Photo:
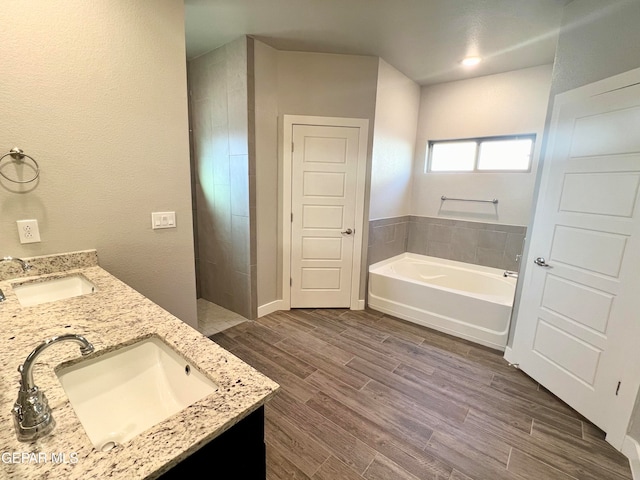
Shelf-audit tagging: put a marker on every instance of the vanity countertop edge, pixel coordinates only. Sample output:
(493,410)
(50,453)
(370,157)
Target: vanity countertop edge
(115,314)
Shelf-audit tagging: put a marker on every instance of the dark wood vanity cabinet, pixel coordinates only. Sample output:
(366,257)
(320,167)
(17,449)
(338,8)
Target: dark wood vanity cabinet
(238,453)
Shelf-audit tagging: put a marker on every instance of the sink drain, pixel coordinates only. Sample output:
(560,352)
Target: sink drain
(110,445)
(187,369)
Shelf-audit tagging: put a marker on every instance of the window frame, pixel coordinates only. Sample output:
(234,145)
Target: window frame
(479,141)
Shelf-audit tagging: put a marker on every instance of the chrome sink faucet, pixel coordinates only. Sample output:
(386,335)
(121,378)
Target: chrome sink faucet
(32,416)
(25,266)
(509,273)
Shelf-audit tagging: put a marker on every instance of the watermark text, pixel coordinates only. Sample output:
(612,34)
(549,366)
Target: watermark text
(38,457)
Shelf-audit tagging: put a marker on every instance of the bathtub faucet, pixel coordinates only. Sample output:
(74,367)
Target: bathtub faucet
(509,273)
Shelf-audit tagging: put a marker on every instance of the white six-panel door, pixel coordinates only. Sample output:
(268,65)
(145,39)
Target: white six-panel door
(577,328)
(323,204)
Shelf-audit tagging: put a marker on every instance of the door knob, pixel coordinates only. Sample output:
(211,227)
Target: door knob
(348,231)
(541,261)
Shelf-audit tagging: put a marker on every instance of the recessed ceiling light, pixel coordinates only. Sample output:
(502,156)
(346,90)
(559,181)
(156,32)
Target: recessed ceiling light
(471,61)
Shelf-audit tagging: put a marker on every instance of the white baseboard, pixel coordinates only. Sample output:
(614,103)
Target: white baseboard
(508,355)
(276,305)
(271,307)
(631,448)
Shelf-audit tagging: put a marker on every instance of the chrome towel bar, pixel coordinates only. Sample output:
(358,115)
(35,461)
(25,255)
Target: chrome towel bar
(444,198)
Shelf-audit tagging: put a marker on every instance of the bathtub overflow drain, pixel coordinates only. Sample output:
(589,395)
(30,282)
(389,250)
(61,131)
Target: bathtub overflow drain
(187,369)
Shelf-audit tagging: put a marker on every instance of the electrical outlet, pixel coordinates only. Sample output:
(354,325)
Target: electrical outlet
(28,231)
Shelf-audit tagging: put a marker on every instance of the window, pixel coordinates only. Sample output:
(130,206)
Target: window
(489,154)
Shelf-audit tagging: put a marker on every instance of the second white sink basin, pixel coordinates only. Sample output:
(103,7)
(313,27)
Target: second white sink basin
(35,293)
(120,394)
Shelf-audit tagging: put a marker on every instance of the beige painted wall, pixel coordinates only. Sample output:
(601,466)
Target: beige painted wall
(96,92)
(598,39)
(504,104)
(333,86)
(266,143)
(394,138)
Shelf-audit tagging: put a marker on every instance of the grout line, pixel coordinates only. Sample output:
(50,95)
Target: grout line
(509,458)
(370,463)
(352,358)
(466,415)
(433,432)
(367,383)
(531,429)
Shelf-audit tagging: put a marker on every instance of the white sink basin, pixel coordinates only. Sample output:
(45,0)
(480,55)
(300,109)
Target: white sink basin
(120,394)
(36,293)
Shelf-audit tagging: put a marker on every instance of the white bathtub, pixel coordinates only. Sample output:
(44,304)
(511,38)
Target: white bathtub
(468,301)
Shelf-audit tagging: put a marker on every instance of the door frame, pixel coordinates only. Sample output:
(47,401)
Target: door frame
(287,163)
(620,416)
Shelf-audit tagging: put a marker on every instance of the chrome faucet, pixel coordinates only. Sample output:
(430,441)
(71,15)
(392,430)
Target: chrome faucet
(32,416)
(509,273)
(25,266)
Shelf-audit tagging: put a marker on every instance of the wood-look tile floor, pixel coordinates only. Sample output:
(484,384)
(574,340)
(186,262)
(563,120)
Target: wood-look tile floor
(368,396)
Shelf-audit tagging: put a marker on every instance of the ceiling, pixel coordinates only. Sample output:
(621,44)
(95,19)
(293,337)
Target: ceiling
(424,39)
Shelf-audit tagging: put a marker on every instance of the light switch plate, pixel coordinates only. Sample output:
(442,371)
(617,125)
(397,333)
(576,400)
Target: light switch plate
(28,231)
(163,220)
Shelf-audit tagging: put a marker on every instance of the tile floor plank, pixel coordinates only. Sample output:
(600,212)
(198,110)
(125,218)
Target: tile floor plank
(403,454)
(341,443)
(334,469)
(569,459)
(300,449)
(280,468)
(384,469)
(532,469)
(403,423)
(276,354)
(292,384)
(368,396)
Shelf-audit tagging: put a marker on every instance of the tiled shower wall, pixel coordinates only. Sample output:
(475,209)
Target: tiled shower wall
(221,104)
(487,244)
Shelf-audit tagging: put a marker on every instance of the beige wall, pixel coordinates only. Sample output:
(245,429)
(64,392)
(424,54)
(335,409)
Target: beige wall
(266,142)
(598,39)
(333,86)
(327,85)
(96,92)
(394,137)
(504,104)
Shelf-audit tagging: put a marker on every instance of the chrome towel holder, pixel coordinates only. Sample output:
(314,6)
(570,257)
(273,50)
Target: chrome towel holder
(18,156)
(494,201)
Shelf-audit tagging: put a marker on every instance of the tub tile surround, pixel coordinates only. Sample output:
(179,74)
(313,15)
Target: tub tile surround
(487,244)
(114,315)
(387,238)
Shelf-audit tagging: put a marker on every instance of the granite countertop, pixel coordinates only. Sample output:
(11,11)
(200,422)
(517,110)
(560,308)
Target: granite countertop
(113,315)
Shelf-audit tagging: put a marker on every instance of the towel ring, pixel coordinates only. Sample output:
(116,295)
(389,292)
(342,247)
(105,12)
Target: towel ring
(18,155)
